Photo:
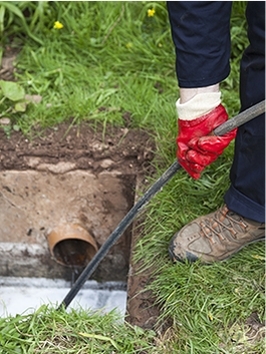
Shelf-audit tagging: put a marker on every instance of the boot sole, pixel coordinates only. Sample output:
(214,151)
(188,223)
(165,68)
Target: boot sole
(192,258)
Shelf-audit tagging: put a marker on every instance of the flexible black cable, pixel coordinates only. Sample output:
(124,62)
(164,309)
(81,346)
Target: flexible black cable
(224,128)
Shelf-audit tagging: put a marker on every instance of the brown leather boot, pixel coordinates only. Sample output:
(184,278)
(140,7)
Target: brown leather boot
(215,237)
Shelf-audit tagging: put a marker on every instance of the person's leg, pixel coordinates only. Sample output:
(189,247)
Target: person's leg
(201,36)
(246,195)
(219,235)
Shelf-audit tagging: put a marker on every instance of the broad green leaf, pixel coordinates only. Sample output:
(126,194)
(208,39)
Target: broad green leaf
(20,106)
(12,90)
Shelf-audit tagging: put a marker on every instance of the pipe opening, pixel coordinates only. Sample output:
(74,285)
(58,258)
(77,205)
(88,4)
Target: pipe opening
(71,245)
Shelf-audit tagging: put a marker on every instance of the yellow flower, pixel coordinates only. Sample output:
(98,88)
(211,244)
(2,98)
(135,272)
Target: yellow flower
(151,12)
(58,25)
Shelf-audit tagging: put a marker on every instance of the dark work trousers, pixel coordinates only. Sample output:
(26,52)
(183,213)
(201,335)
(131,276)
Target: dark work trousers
(201,35)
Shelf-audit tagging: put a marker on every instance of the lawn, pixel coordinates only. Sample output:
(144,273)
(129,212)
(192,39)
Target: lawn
(78,57)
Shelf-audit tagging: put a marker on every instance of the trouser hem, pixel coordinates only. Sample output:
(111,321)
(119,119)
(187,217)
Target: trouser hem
(244,206)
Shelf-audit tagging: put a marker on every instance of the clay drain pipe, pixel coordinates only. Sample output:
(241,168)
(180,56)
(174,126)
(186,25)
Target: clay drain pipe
(224,128)
(71,245)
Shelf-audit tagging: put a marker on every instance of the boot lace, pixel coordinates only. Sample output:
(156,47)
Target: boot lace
(217,227)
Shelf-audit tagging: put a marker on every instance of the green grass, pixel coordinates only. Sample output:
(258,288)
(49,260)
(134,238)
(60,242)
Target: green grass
(110,54)
(107,54)
(49,331)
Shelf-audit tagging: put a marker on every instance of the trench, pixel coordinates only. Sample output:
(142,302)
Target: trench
(34,205)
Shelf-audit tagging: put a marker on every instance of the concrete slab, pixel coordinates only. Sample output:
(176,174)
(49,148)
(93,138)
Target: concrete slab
(25,295)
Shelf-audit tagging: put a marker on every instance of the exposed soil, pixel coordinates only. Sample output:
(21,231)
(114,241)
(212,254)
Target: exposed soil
(130,151)
(67,148)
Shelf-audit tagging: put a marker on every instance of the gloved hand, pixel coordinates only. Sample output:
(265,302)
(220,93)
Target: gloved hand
(196,147)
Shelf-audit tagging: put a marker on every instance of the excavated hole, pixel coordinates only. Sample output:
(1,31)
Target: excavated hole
(70,175)
(34,203)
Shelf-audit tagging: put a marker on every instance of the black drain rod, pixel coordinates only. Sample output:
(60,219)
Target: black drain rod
(224,128)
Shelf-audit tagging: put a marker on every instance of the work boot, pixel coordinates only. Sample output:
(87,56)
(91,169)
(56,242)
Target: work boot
(215,237)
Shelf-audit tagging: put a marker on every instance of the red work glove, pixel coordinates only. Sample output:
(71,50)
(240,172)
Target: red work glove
(196,148)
